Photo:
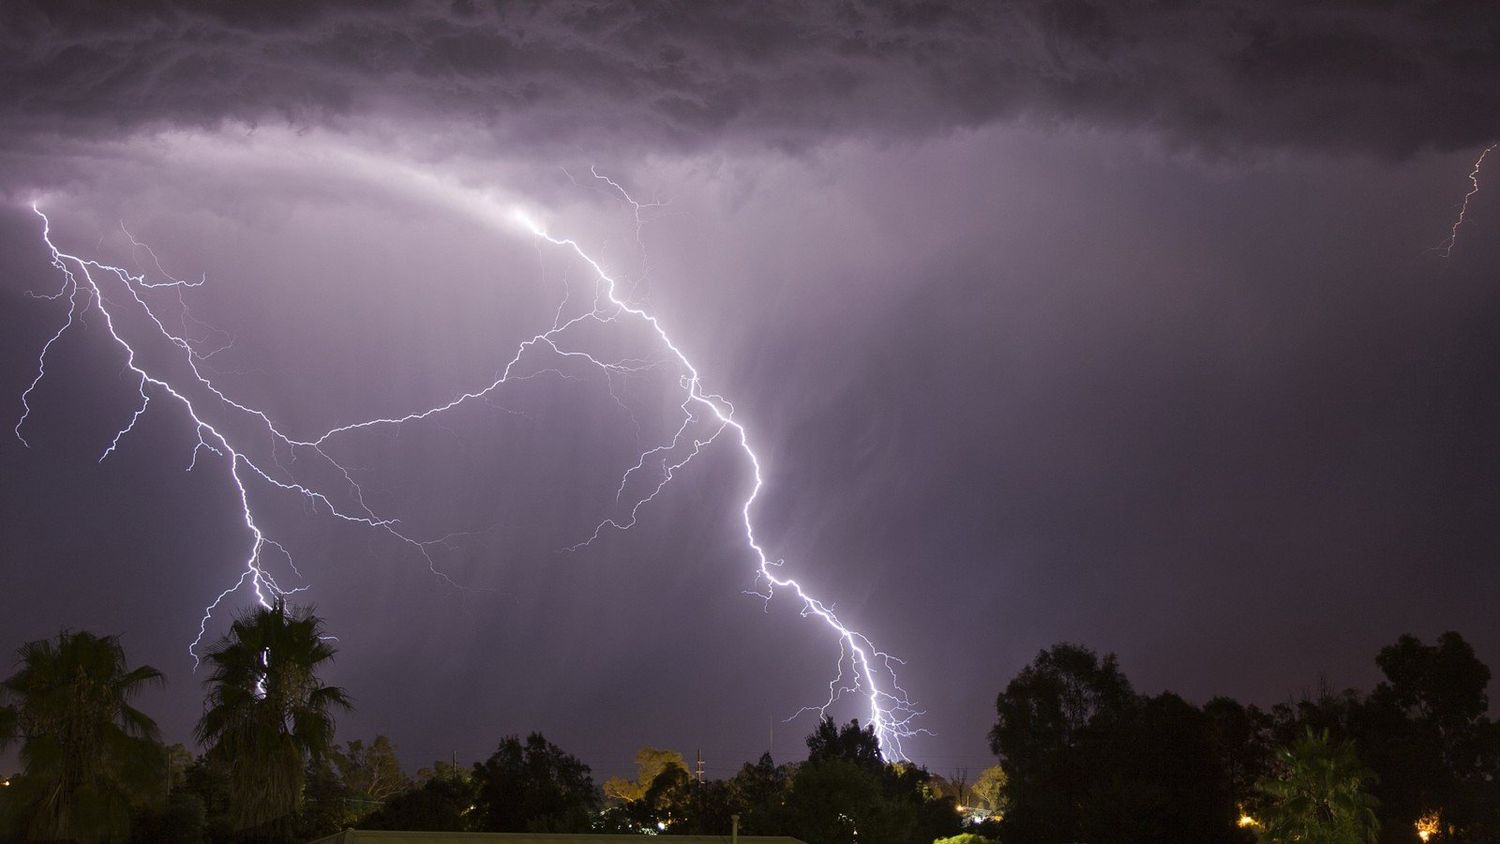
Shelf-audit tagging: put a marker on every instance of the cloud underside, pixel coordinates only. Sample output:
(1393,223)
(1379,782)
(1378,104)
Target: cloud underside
(1380,78)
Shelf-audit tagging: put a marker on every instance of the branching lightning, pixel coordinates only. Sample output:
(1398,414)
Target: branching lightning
(862,670)
(1463,209)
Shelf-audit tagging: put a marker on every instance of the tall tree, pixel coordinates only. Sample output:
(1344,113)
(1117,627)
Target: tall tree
(267,712)
(1319,794)
(87,753)
(758,793)
(1045,715)
(533,787)
(1242,742)
(1426,733)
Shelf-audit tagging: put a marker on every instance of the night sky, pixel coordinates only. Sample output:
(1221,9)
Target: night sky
(1115,323)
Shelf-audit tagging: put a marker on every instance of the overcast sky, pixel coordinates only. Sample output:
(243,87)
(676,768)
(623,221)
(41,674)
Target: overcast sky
(1123,324)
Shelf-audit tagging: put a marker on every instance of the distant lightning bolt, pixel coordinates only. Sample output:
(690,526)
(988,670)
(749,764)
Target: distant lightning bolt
(861,670)
(1447,248)
(873,672)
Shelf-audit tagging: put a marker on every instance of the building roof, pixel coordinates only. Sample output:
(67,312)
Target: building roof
(368,836)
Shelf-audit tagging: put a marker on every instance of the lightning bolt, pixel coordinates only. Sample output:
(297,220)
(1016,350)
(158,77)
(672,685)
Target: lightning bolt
(861,670)
(1463,209)
(83,290)
(872,672)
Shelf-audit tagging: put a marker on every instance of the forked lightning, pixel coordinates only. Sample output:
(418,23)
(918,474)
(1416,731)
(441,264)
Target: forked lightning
(862,669)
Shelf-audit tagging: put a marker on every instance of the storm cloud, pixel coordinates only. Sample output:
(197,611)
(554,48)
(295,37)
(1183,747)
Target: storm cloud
(1386,79)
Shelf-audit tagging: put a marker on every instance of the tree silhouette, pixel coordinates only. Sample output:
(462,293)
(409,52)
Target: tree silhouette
(532,787)
(758,793)
(441,803)
(87,754)
(849,742)
(1049,722)
(834,800)
(1426,733)
(267,712)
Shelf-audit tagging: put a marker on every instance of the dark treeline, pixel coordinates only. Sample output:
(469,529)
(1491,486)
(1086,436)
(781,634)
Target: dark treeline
(1086,758)
(1082,758)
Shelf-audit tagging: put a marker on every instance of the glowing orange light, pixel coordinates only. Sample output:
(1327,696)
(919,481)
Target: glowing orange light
(1427,826)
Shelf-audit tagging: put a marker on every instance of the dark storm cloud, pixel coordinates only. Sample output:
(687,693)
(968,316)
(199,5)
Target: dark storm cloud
(1383,78)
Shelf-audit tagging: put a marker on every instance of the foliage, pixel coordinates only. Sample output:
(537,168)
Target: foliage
(909,789)
(674,803)
(439,804)
(841,797)
(1044,715)
(1064,691)
(834,800)
(182,820)
(669,802)
(1443,684)
(327,803)
(267,713)
(989,791)
(207,780)
(842,790)
(955,786)
(178,760)
(1085,758)
(442,769)
(758,792)
(1155,776)
(848,742)
(1425,732)
(370,774)
(88,755)
(1324,709)
(532,787)
(650,762)
(1318,795)
(1242,745)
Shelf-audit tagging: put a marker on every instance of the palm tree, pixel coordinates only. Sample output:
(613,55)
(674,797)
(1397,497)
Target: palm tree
(1319,795)
(87,754)
(267,713)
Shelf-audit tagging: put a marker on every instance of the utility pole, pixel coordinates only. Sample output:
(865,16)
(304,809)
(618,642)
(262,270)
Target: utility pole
(700,790)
